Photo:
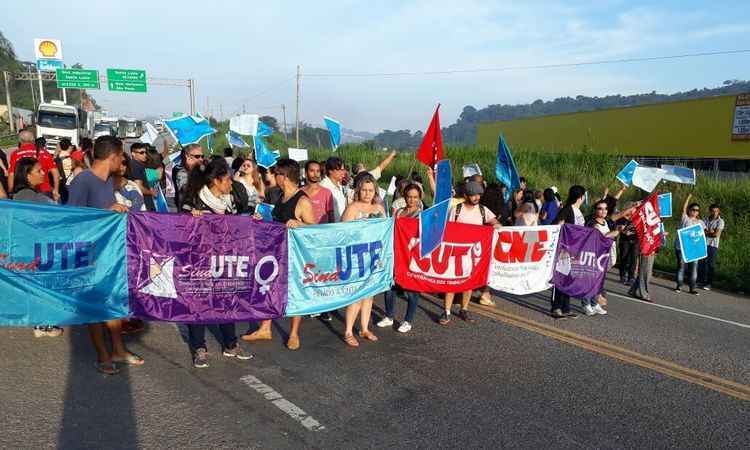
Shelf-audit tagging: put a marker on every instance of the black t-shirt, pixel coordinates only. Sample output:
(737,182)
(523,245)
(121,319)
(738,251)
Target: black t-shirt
(138,173)
(628,233)
(565,215)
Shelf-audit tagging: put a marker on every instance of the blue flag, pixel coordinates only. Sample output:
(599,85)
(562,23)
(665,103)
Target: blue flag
(626,174)
(161,200)
(263,130)
(61,265)
(189,129)
(265,210)
(235,139)
(432,227)
(334,131)
(692,242)
(505,169)
(334,265)
(678,174)
(264,156)
(665,204)
(443,181)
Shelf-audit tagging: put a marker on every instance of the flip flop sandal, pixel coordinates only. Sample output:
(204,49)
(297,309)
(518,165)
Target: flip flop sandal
(351,341)
(368,335)
(107,368)
(131,359)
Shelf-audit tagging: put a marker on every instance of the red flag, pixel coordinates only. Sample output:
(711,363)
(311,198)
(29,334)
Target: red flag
(647,224)
(431,149)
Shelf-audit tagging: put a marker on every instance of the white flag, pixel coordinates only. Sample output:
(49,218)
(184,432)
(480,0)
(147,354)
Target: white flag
(245,124)
(647,178)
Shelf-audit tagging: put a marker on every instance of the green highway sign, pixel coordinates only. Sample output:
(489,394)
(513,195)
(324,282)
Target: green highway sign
(126,80)
(77,79)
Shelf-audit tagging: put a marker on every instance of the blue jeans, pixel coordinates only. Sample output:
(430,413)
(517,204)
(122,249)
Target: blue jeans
(707,266)
(411,309)
(197,334)
(690,268)
(591,302)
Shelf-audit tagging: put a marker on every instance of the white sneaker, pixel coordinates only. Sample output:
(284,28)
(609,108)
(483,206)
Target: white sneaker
(599,310)
(405,327)
(384,322)
(589,310)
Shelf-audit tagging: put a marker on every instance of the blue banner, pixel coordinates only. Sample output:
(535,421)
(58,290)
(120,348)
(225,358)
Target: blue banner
(189,129)
(61,265)
(334,265)
(677,174)
(235,139)
(665,204)
(692,243)
(626,174)
(505,169)
(264,156)
(334,131)
(432,227)
(443,181)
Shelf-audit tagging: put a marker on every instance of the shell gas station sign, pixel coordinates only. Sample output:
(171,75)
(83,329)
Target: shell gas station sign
(48,52)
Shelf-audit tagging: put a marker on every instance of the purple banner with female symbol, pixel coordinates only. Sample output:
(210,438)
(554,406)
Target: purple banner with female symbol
(581,261)
(207,269)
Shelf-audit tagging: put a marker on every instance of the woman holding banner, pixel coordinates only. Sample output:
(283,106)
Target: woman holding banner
(691,215)
(209,191)
(412,194)
(365,206)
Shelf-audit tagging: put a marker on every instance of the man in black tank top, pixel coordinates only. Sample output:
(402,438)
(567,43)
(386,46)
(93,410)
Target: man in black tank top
(294,210)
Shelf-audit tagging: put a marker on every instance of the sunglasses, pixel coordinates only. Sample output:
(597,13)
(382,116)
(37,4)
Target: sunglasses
(198,156)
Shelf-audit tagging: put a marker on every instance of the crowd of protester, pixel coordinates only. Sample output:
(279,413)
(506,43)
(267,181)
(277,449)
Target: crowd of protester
(103,175)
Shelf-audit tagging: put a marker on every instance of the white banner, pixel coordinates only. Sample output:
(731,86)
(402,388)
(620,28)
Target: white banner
(523,259)
(245,124)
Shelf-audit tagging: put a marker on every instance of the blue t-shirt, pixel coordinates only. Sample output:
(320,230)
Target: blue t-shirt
(89,190)
(551,208)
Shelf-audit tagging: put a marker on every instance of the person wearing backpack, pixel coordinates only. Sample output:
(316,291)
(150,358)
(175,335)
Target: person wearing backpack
(471,212)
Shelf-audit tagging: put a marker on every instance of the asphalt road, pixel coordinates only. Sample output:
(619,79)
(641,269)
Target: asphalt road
(482,385)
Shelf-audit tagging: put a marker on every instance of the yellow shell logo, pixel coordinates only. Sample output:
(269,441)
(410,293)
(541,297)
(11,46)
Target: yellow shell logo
(48,49)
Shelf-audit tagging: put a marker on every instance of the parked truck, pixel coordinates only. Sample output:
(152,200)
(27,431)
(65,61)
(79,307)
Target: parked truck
(56,120)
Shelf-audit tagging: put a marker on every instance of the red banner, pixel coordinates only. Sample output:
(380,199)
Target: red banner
(646,221)
(460,263)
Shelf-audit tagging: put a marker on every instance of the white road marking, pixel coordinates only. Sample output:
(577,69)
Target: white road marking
(742,325)
(292,410)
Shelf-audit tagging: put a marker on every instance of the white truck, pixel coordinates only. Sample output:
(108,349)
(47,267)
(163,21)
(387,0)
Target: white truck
(56,120)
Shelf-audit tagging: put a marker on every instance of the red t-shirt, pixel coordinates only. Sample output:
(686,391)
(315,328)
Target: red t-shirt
(322,205)
(45,160)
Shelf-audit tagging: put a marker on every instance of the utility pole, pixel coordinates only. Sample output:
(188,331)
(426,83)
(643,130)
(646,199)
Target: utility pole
(191,94)
(8,103)
(296,119)
(64,96)
(221,112)
(243,108)
(41,87)
(33,95)
(283,115)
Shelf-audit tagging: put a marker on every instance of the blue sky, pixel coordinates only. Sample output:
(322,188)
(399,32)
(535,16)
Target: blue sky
(237,50)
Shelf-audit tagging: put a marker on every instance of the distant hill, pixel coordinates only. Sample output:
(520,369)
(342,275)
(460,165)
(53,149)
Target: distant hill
(464,131)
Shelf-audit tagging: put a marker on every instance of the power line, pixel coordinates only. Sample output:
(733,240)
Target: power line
(530,67)
(269,89)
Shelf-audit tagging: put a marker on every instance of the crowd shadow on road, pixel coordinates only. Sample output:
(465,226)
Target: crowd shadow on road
(98,409)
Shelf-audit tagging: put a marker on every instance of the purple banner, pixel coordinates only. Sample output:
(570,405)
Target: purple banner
(581,261)
(208,269)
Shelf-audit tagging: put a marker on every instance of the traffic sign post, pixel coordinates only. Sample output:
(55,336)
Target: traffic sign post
(126,80)
(77,79)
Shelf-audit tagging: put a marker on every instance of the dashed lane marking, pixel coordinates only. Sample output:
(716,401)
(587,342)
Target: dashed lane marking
(292,410)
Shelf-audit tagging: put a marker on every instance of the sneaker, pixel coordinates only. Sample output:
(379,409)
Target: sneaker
(405,327)
(570,315)
(384,322)
(40,332)
(557,314)
(677,290)
(588,310)
(599,310)
(464,315)
(445,319)
(694,292)
(326,317)
(54,331)
(707,287)
(200,358)
(236,352)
